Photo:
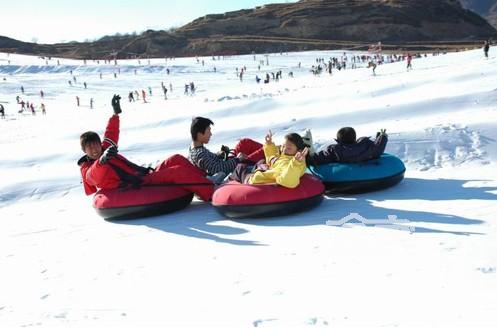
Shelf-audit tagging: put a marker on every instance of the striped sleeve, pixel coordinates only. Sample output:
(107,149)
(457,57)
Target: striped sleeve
(210,162)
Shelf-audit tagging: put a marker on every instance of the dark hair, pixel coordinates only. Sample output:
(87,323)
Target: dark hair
(296,140)
(88,138)
(199,125)
(346,135)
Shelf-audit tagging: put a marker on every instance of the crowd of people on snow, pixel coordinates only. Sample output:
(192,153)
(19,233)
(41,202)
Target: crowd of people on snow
(26,105)
(339,63)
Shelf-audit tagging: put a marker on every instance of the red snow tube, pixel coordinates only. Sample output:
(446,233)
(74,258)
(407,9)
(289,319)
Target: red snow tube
(143,202)
(235,200)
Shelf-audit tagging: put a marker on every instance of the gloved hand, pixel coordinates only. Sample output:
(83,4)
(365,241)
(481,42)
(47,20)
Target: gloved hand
(382,132)
(224,153)
(108,154)
(115,104)
(143,171)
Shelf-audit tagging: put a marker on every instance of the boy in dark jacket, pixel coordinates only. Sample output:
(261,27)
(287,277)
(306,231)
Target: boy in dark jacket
(103,168)
(349,150)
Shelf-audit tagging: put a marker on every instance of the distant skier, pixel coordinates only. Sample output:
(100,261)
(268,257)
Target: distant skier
(486,48)
(164,90)
(150,91)
(77,101)
(43,109)
(372,65)
(84,84)
(409,62)
(2,111)
(144,95)
(22,90)
(131,97)
(42,94)
(91,103)
(32,108)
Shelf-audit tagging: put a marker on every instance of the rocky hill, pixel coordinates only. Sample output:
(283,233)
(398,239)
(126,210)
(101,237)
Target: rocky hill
(485,8)
(304,25)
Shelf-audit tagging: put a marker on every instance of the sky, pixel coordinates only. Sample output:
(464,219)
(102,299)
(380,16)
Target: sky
(51,21)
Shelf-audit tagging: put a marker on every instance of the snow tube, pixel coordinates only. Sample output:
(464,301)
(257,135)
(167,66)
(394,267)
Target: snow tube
(146,201)
(235,200)
(362,177)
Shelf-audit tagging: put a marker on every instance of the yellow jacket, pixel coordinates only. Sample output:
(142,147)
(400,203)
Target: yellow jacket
(284,170)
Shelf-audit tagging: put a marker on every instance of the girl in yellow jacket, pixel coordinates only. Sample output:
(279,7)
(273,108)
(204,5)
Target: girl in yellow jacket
(284,165)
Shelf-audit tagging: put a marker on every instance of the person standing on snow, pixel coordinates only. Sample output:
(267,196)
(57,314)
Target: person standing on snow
(372,65)
(409,62)
(486,48)
(164,90)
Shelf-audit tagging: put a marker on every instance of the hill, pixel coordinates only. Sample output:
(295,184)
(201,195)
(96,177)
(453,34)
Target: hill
(304,25)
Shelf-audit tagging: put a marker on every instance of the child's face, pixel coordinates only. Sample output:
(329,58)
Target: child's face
(288,148)
(93,150)
(205,137)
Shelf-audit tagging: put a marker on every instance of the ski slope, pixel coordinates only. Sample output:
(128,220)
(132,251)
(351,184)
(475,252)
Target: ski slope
(63,266)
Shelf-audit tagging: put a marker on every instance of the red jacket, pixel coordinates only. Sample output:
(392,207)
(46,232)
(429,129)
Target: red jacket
(112,174)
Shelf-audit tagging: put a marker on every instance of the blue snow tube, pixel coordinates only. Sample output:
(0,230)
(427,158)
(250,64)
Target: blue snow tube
(362,177)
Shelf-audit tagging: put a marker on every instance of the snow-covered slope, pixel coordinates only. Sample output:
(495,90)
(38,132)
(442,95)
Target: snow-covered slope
(62,265)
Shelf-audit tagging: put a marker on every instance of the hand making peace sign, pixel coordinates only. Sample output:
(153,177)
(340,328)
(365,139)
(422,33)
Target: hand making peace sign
(300,156)
(269,137)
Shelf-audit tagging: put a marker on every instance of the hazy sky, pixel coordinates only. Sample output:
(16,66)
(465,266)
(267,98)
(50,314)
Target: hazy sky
(52,21)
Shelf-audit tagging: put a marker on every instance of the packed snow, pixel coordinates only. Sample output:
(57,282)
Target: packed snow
(61,265)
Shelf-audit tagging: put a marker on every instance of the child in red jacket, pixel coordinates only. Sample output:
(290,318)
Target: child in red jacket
(103,168)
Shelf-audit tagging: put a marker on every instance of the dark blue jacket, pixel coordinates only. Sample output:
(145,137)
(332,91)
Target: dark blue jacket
(363,150)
